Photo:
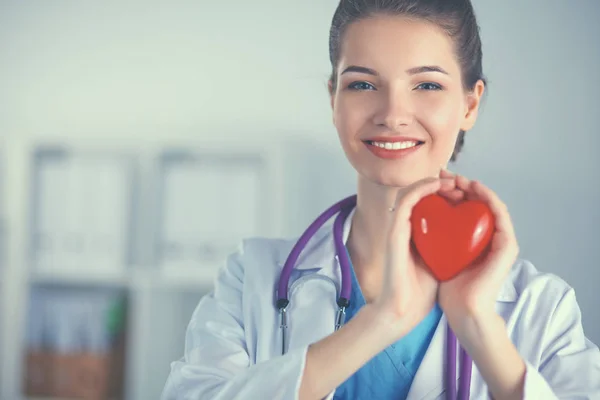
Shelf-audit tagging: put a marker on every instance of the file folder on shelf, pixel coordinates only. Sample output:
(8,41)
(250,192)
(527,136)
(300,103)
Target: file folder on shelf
(210,201)
(81,213)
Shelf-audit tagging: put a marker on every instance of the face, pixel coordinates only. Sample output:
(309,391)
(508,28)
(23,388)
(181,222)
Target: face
(399,102)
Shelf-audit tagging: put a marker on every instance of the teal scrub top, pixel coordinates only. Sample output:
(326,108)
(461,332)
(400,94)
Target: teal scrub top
(390,373)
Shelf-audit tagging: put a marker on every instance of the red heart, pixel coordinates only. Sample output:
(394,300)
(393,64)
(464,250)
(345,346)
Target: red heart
(450,237)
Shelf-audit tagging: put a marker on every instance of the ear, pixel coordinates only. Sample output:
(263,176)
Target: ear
(331,99)
(331,93)
(473,100)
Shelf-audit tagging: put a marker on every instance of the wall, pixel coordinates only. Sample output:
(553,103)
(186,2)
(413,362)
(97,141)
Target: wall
(258,70)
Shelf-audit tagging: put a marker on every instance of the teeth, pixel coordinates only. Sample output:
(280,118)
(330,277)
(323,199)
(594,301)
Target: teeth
(395,145)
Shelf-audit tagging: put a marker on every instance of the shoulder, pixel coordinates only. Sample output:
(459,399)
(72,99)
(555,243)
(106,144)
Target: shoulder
(249,270)
(262,247)
(262,255)
(540,298)
(531,284)
(545,323)
(258,256)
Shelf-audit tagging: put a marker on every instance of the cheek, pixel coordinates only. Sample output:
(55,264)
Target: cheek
(350,115)
(441,117)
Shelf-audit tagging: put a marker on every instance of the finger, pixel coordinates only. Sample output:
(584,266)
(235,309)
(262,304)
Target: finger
(454,196)
(499,209)
(402,211)
(458,194)
(414,193)
(444,173)
(400,227)
(463,183)
(447,184)
(430,184)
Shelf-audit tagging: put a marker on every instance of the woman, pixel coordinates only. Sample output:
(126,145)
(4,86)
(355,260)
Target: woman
(406,84)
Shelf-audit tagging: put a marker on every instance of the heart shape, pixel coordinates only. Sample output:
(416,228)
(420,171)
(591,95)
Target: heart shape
(450,237)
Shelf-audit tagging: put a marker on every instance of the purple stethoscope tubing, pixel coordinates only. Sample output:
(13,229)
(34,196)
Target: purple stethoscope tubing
(343,208)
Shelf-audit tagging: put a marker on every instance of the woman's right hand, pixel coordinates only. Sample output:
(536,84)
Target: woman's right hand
(409,290)
(407,295)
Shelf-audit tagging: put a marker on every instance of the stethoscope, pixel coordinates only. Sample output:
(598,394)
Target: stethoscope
(343,208)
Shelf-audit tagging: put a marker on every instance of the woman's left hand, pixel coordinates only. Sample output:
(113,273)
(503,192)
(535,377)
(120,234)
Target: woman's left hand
(472,294)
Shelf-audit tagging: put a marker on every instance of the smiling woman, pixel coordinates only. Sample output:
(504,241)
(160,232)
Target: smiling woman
(423,89)
(357,313)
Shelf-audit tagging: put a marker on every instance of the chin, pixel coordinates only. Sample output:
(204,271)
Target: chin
(395,179)
(394,174)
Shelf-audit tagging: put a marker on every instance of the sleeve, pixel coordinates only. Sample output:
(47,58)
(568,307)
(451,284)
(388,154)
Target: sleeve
(570,363)
(216,364)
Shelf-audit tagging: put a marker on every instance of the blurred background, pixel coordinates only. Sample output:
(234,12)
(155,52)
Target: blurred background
(140,141)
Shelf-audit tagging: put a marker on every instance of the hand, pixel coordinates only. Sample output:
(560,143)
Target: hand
(472,294)
(408,290)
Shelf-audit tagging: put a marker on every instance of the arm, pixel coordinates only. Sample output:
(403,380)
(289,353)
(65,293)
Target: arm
(216,364)
(569,366)
(497,359)
(335,358)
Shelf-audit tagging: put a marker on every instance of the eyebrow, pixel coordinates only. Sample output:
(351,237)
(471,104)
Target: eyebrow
(411,71)
(427,68)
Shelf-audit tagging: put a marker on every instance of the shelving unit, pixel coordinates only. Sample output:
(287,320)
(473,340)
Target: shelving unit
(139,217)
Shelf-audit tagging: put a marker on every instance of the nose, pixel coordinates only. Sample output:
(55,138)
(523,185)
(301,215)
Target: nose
(395,111)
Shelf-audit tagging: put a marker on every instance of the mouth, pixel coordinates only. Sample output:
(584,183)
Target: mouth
(393,150)
(395,145)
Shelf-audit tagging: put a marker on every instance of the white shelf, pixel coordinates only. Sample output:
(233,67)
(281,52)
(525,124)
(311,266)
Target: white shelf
(82,277)
(148,278)
(187,278)
(156,292)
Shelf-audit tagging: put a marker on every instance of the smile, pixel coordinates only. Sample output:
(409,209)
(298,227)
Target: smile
(393,150)
(395,145)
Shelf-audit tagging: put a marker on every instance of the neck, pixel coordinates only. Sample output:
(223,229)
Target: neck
(369,229)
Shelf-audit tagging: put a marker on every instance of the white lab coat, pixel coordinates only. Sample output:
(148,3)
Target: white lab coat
(233,342)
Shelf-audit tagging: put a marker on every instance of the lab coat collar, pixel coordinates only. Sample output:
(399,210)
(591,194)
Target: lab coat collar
(320,254)
(320,250)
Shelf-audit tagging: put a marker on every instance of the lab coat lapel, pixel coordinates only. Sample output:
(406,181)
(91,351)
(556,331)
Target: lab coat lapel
(319,253)
(429,381)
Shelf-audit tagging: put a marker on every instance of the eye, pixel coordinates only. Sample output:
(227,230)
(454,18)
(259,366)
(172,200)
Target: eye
(361,86)
(429,86)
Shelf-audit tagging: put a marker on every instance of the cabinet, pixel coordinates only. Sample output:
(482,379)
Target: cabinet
(153,221)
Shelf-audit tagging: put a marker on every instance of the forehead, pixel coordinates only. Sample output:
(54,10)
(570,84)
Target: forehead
(392,42)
